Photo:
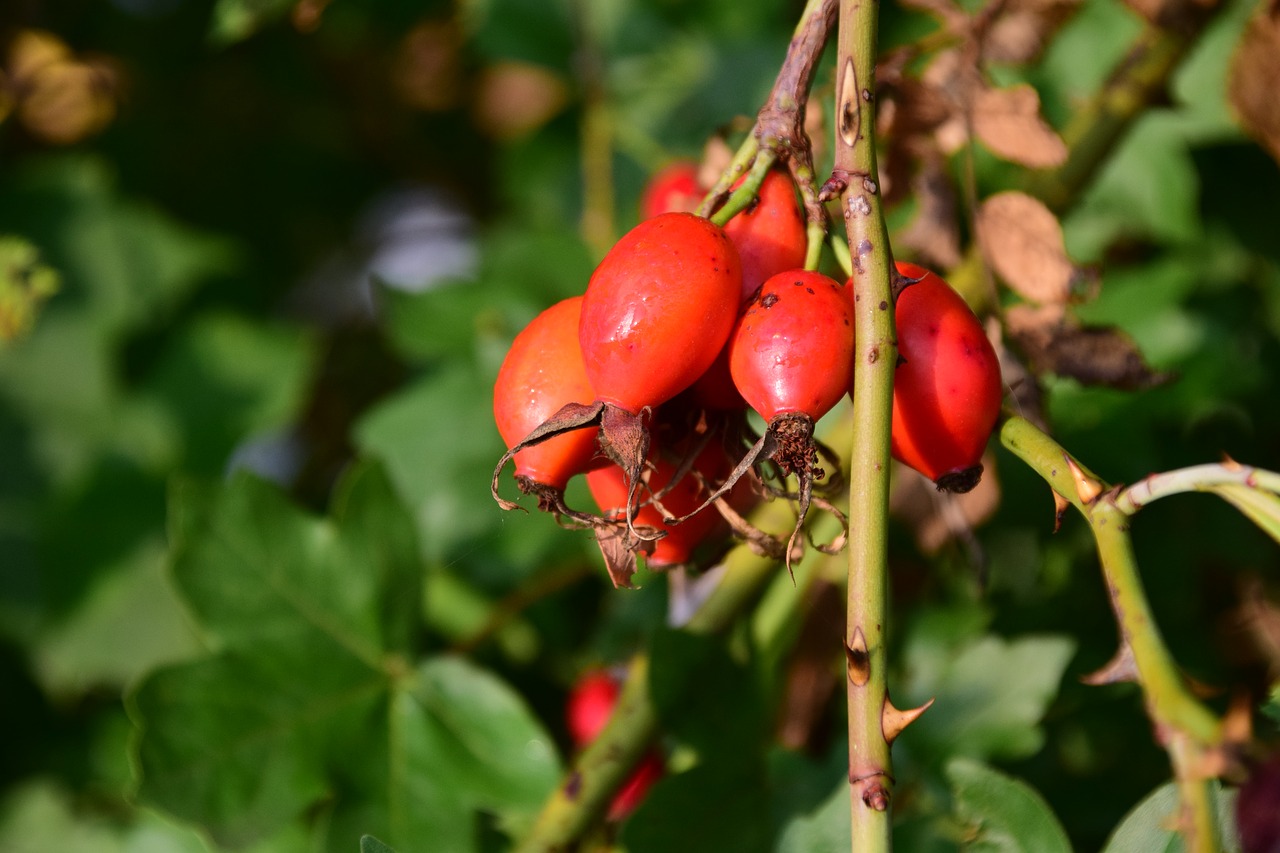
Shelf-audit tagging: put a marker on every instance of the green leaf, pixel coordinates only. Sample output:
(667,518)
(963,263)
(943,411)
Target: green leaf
(310,698)
(369,844)
(40,816)
(1262,508)
(236,20)
(706,698)
(1271,708)
(825,829)
(991,694)
(25,284)
(1148,826)
(225,378)
(1006,814)
(439,444)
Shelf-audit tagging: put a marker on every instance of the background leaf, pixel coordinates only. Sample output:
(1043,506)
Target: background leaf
(1004,813)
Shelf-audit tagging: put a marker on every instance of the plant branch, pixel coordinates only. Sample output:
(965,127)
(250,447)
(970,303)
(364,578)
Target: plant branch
(1137,81)
(779,134)
(875,354)
(1197,478)
(584,795)
(1186,728)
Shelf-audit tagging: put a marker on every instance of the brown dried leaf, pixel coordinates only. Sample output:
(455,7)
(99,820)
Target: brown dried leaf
(517,98)
(1024,28)
(939,517)
(1254,72)
(1022,240)
(1093,355)
(1008,122)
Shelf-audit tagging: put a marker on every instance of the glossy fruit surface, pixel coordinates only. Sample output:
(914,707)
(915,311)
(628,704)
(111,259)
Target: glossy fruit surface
(792,350)
(589,705)
(672,189)
(947,388)
(658,309)
(769,234)
(542,371)
(609,489)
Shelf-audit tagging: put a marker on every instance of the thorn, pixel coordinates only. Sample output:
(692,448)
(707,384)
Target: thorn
(1060,507)
(1087,487)
(1122,667)
(893,721)
(1231,464)
(857,660)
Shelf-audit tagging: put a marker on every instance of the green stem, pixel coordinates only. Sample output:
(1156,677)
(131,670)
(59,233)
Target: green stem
(1138,81)
(1186,728)
(1197,478)
(584,795)
(875,354)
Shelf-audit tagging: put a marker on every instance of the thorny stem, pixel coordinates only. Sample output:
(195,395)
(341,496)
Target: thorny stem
(1185,727)
(779,134)
(875,354)
(1198,478)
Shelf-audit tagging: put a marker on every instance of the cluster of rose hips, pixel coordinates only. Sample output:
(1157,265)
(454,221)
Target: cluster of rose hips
(643,383)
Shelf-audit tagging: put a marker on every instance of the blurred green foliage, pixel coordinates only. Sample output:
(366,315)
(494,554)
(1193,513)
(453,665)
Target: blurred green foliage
(254,593)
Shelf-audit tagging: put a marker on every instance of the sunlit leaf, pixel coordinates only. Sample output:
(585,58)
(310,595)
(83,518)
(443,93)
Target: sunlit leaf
(1005,813)
(1150,825)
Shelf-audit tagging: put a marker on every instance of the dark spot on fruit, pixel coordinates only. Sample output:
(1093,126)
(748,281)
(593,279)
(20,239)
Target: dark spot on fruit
(798,283)
(810,289)
(769,300)
(846,320)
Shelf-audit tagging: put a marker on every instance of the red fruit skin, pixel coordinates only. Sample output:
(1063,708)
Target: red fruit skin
(792,350)
(947,390)
(633,791)
(714,390)
(770,234)
(658,309)
(542,371)
(589,705)
(609,489)
(672,189)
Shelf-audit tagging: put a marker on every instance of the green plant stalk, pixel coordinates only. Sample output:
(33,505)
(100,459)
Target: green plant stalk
(1197,478)
(599,771)
(1138,81)
(1187,729)
(875,355)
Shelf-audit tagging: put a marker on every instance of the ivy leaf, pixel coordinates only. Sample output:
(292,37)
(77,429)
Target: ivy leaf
(1007,815)
(311,699)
